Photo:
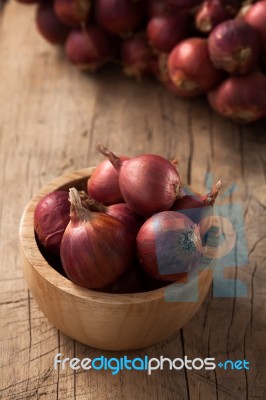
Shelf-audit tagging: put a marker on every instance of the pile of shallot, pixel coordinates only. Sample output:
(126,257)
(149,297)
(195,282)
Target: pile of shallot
(193,47)
(135,228)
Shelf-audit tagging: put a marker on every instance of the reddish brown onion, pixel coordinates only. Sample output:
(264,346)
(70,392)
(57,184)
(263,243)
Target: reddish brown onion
(136,56)
(256,17)
(96,248)
(89,49)
(103,185)
(51,218)
(210,14)
(190,68)
(120,17)
(49,25)
(120,211)
(149,183)
(72,12)
(196,206)
(241,98)
(169,244)
(160,71)
(165,31)
(234,46)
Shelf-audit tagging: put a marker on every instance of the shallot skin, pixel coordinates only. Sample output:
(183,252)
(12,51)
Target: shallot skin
(136,56)
(118,16)
(103,185)
(256,17)
(89,49)
(128,217)
(96,249)
(161,189)
(72,12)
(196,206)
(169,245)
(190,68)
(165,31)
(49,25)
(51,218)
(242,99)
(234,47)
(210,14)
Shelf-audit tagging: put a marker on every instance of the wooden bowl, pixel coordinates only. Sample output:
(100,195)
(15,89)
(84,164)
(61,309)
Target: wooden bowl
(103,320)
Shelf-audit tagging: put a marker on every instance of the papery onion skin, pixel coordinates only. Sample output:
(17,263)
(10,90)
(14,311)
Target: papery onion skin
(190,68)
(149,183)
(120,211)
(159,69)
(89,49)
(72,12)
(119,17)
(196,206)
(210,14)
(96,248)
(136,56)
(49,25)
(51,218)
(234,46)
(256,17)
(168,245)
(159,192)
(241,98)
(164,32)
(103,185)
(128,217)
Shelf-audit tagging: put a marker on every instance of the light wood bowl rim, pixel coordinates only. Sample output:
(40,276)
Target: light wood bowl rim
(48,273)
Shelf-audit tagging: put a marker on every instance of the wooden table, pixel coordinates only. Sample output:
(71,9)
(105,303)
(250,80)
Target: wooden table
(51,118)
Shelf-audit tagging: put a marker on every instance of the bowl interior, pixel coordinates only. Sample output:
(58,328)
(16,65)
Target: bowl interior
(32,252)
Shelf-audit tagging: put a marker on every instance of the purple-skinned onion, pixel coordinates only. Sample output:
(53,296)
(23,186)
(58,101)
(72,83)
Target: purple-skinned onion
(194,205)
(149,183)
(51,218)
(234,46)
(72,12)
(241,98)
(103,185)
(169,245)
(164,32)
(118,17)
(96,249)
(120,211)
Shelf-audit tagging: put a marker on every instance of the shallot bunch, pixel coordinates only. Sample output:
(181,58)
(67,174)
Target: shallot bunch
(192,47)
(142,235)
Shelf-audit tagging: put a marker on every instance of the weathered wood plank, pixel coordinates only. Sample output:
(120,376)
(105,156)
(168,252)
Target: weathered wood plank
(51,117)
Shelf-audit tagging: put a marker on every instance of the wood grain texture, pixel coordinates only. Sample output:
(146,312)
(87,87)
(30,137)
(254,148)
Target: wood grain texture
(51,117)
